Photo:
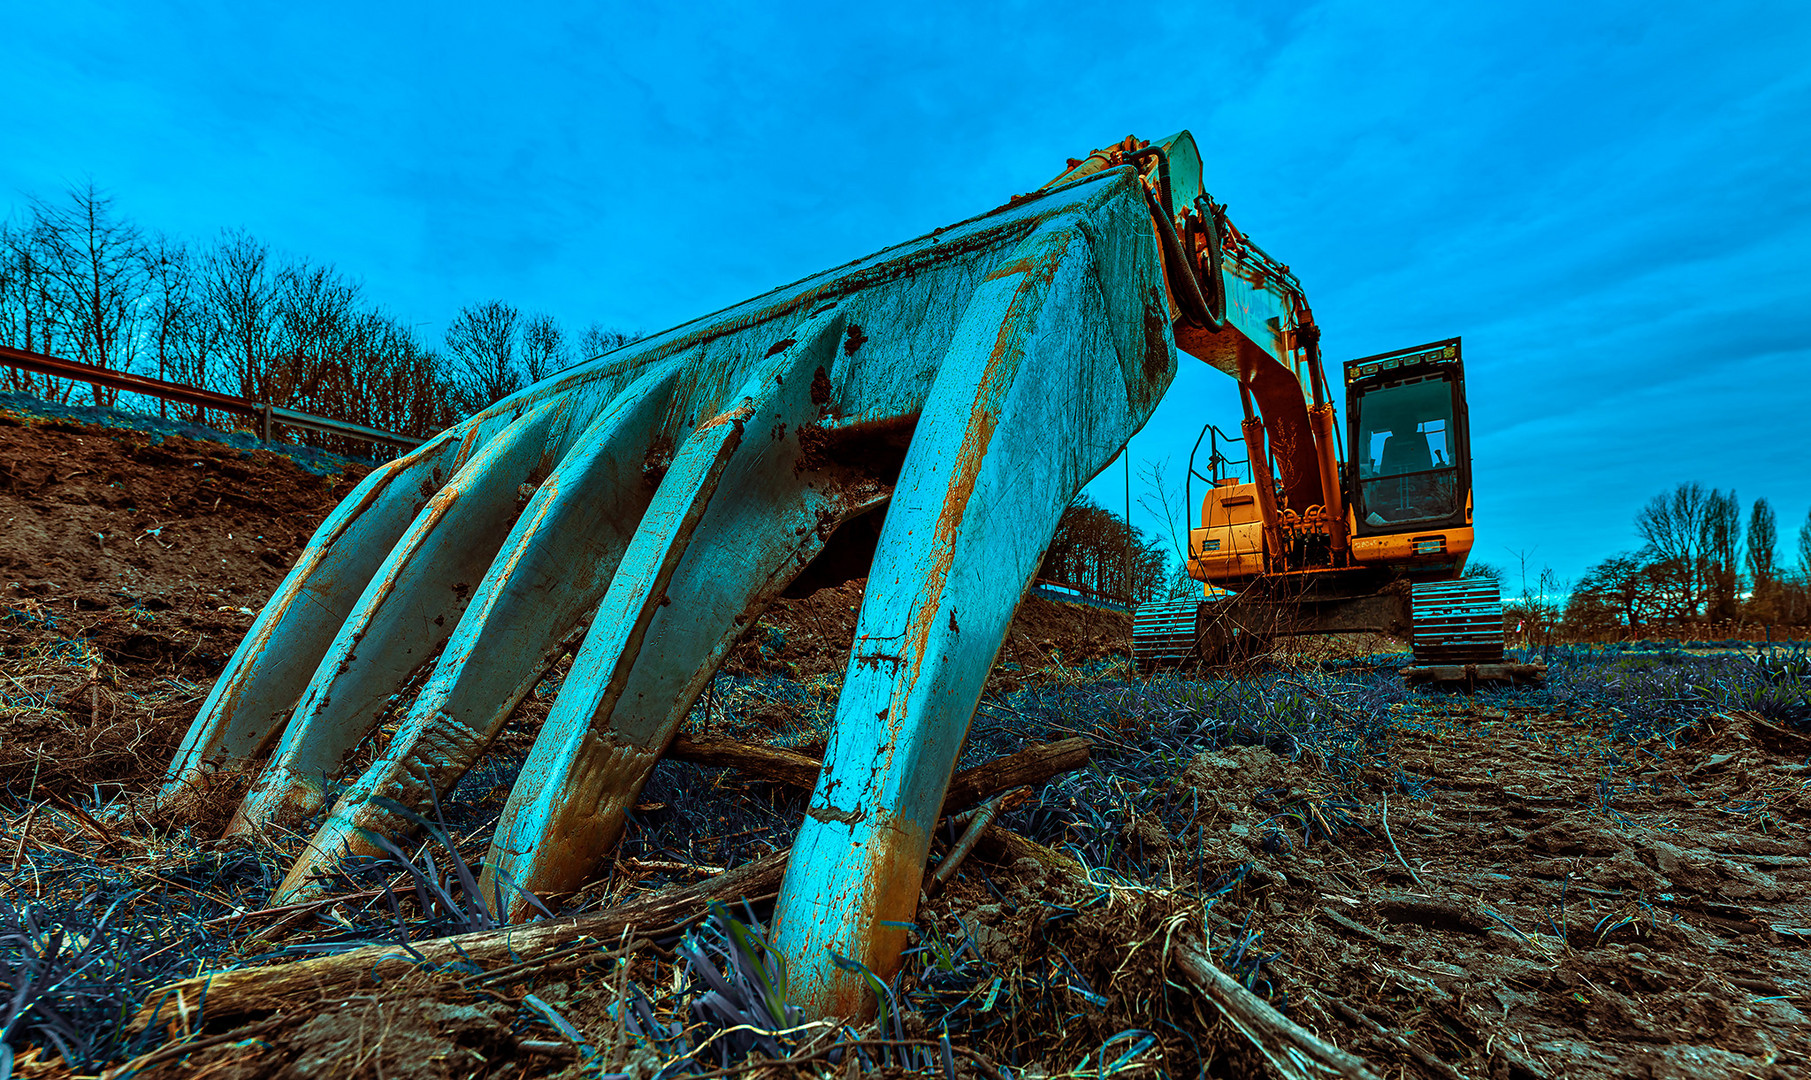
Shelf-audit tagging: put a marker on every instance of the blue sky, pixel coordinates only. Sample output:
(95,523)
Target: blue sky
(1611,203)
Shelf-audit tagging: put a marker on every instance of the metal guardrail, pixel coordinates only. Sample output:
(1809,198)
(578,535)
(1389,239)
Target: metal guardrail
(1080,594)
(266,414)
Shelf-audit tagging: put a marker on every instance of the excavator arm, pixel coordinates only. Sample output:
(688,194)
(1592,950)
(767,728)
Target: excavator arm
(658,497)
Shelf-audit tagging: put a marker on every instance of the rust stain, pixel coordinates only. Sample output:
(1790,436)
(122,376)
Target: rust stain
(853,339)
(781,346)
(733,418)
(820,386)
(1156,353)
(895,875)
(1039,268)
(831,813)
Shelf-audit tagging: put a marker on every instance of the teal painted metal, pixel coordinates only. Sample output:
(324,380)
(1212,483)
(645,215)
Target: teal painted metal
(675,487)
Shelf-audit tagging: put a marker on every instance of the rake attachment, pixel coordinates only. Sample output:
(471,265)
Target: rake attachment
(969,382)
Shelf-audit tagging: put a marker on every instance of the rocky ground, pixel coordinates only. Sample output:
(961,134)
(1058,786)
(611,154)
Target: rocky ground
(1604,876)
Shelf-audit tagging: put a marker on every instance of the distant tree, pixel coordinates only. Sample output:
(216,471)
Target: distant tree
(599,339)
(1763,538)
(1478,568)
(32,305)
(1095,549)
(481,345)
(170,300)
(1804,547)
(97,261)
(1721,547)
(240,286)
(1616,593)
(1673,524)
(1763,574)
(1179,585)
(544,349)
(317,335)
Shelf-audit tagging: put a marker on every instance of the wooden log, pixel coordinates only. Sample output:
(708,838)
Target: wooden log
(762,762)
(306,983)
(1027,768)
(1032,765)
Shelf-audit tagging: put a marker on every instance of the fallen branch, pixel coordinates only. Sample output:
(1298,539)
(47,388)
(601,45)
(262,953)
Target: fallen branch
(762,762)
(977,825)
(1393,847)
(1292,1050)
(305,983)
(1365,1023)
(1032,765)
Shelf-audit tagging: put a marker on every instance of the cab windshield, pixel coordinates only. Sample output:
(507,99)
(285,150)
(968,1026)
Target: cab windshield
(1407,470)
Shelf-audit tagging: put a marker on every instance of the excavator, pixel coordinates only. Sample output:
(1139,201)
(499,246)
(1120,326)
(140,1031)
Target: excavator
(1324,537)
(929,410)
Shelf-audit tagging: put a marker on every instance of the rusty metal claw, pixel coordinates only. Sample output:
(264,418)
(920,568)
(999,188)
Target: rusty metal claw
(679,484)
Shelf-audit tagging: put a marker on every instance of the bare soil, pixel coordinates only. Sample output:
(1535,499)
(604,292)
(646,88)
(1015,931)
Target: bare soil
(1515,897)
(129,569)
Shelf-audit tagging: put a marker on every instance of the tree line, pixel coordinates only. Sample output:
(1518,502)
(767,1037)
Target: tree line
(1698,564)
(80,281)
(1097,551)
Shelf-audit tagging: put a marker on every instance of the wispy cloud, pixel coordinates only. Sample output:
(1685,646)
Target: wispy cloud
(1609,201)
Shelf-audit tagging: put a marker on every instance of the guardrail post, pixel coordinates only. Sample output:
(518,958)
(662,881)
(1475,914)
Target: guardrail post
(264,422)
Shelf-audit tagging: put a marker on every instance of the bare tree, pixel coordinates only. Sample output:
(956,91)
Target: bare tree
(1094,549)
(1159,499)
(544,350)
(179,329)
(599,339)
(1478,568)
(481,344)
(1763,575)
(241,287)
(1722,541)
(1673,524)
(1613,595)
(98,263)
(32,305)
(315,332)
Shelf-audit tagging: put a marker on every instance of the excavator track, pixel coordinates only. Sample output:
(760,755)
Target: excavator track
(1458,622)
(1165,634)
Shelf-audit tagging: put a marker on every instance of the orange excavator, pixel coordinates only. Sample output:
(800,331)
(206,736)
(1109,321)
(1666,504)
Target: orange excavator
(1324,535)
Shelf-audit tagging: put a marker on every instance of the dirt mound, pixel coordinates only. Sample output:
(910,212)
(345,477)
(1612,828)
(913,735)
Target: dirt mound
(130,567)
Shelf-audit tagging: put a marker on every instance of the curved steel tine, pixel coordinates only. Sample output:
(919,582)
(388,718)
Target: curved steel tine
(551,572)
(244,713)
(1034,397)
(408,609)
(730,527)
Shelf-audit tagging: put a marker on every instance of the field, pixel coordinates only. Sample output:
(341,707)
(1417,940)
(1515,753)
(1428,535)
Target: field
(1603,876)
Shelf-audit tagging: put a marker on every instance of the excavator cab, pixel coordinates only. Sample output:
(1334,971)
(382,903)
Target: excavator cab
(1410,448)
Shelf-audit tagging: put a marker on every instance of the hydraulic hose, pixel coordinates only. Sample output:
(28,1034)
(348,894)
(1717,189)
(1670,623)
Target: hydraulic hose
(1209,217)
(1185,285)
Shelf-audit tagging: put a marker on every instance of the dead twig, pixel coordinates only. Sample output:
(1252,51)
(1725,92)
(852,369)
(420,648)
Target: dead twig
(1292,1050)
(983,817)
(1394,848)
